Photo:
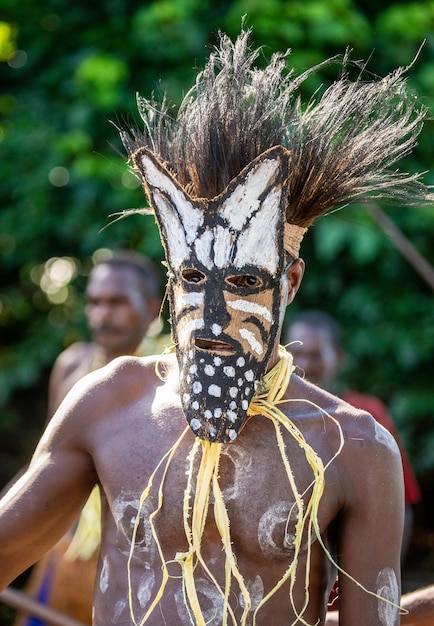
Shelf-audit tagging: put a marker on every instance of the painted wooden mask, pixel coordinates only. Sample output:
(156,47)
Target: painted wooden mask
(226,261)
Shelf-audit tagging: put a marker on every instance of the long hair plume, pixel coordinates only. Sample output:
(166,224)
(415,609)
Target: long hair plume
(342,147)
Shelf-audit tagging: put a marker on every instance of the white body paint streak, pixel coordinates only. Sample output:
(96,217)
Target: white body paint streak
(242,462)
(125,510)
(252,341)
(188,328)
(213,615)
(251,307)
(146,547)
(188,299)
(103,579)
(145,588)
(387,587)
(256,590)
(383,436)
(275,515)
(120,607)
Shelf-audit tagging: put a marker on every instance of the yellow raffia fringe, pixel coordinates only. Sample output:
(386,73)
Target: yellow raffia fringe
(269,395)
(87,535)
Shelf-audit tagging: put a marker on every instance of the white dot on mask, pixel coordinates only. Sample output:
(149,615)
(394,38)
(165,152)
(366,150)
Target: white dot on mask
(215,390)
(229,371)
(231,416)
(209,370)
(216,330)
(197,387)
(217,413)
(240,382)
(195,405)
(232,434)
(233,406)
(186,397)
(190,354)
(217,361)
(233,392)
(241,361)
(208,414)
(249,375)
(245,404)
(247,391)
(195,424)
(193,369)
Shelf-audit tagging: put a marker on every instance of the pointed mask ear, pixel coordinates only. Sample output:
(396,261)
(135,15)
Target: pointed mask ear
(178,218)
(253,207)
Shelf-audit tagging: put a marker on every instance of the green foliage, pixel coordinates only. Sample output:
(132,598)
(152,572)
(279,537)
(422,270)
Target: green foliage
(70,69)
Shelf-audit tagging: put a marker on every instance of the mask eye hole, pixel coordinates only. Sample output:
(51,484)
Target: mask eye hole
(246,281)
(192,276)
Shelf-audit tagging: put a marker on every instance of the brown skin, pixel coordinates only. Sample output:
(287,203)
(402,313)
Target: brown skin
(136,417)
(118,315)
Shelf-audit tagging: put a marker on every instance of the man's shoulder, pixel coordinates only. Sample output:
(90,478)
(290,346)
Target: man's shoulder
(74,354)
(358,420)
(373,405)
(317,405)
(362,429)
(128,372)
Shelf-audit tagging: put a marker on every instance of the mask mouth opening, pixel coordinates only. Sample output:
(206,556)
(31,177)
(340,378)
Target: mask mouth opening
(214,346)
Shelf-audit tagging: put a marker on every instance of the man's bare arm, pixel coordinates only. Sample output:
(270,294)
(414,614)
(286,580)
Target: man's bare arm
(41,506)
(419,604)
(420,607)
(371,526)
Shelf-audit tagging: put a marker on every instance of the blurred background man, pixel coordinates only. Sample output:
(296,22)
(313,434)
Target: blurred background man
(123,300)
(314,339)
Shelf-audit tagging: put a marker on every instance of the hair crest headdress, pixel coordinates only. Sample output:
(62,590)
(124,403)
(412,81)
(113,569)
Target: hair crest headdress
(341,148)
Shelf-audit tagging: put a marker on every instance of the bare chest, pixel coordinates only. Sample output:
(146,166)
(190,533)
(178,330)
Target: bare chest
(265,491)
(158,494)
